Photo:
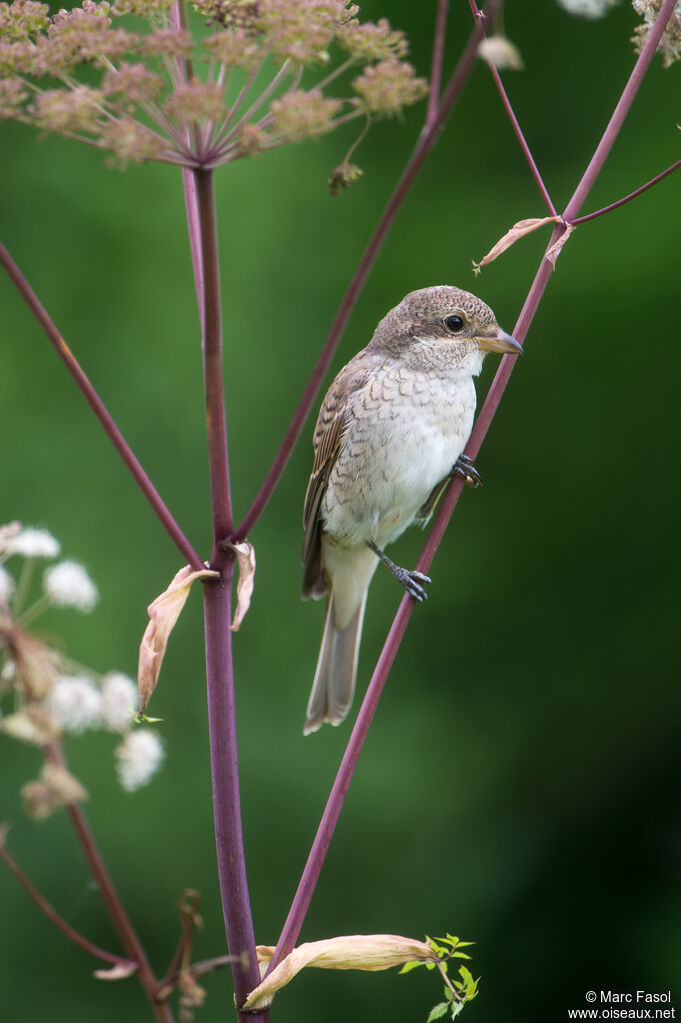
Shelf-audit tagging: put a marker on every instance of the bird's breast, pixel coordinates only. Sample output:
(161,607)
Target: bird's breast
(404,433)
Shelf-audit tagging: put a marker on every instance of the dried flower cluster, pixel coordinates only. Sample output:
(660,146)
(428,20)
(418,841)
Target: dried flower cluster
(49,695)
(670,44)
(163,95)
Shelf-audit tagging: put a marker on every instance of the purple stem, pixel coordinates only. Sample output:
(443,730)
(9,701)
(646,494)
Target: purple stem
(184,71)
(51,913)
(97,405)
(216,421)
(425,143)
(439,37)
(627,198)
(346,770)
(218,636)
(226,796)
(521,138)
(120,919)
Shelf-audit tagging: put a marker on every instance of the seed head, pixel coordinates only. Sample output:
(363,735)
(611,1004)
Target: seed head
(386,87)
(75,703)
(138,757)
(68,585)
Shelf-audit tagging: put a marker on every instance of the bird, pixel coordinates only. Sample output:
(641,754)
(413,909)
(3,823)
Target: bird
(390,434)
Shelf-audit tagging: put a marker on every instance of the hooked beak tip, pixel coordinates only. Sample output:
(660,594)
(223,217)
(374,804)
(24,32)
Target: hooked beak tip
(501,342)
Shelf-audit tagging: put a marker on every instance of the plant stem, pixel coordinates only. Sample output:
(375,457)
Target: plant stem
(425,143)
(226,796)
(521,138)
(439,36)
(367,710)
(627,198)
(218,636)
(97,405)
(212,360)
(120,919)
(178,21)
(51,913)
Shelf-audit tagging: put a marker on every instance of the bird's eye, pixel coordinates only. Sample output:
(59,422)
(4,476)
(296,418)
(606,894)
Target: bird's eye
(454,324)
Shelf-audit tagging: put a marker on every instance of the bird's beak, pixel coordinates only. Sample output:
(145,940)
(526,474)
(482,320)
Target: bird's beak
(500,341)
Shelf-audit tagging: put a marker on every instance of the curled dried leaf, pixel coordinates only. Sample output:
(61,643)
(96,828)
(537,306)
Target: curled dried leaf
(118,972)
(163,613)
(348,952)
(518,230)
(245,559)
(555,250)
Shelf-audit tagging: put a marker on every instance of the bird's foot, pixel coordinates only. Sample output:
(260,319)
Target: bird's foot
(412,582)
(464,468)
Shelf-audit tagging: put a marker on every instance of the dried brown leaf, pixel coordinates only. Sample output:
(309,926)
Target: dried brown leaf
(118,972)
(518,230)
(245,559)
(555,250)
(163,613)
(348,952)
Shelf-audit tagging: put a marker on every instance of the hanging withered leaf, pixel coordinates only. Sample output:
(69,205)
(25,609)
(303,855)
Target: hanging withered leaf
(518,231)
(348,952)
(163,613)
(245,560)
(555,250)
(118,972)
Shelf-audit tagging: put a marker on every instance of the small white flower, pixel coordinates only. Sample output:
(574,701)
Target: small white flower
(6,584)
(138,757)
(9,671)
(35,543)
(588,8)
(119,701)
(502,53)
(75,703)
(68,585)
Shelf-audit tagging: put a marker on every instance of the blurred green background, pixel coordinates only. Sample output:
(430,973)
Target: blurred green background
(521,783)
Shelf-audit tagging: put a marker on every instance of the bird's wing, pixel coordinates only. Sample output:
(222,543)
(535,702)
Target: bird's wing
(329,434)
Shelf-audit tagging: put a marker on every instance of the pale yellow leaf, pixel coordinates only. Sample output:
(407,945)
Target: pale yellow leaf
(245,559)
(118,972)
(518,230)
(555,250)
(163,613)
(349,952)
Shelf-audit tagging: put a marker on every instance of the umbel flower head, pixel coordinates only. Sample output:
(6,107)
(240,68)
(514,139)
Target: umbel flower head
(259,78)
(43,695)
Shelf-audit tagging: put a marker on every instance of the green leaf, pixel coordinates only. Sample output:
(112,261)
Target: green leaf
(438,1011)
(460,955)
(408,967)
(466,975)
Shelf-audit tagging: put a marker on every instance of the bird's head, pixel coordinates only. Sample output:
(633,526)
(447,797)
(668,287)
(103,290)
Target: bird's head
(442,325)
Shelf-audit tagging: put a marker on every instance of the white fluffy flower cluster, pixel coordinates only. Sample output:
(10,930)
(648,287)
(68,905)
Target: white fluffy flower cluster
(138,758)
(77,705)
(588,8)
(6,584)
(67,584)
(72,703)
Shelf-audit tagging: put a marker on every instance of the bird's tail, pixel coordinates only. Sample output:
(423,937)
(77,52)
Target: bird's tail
(334,680)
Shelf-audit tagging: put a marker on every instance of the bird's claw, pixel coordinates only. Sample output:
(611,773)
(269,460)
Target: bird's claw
(464,468)
(412,583)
